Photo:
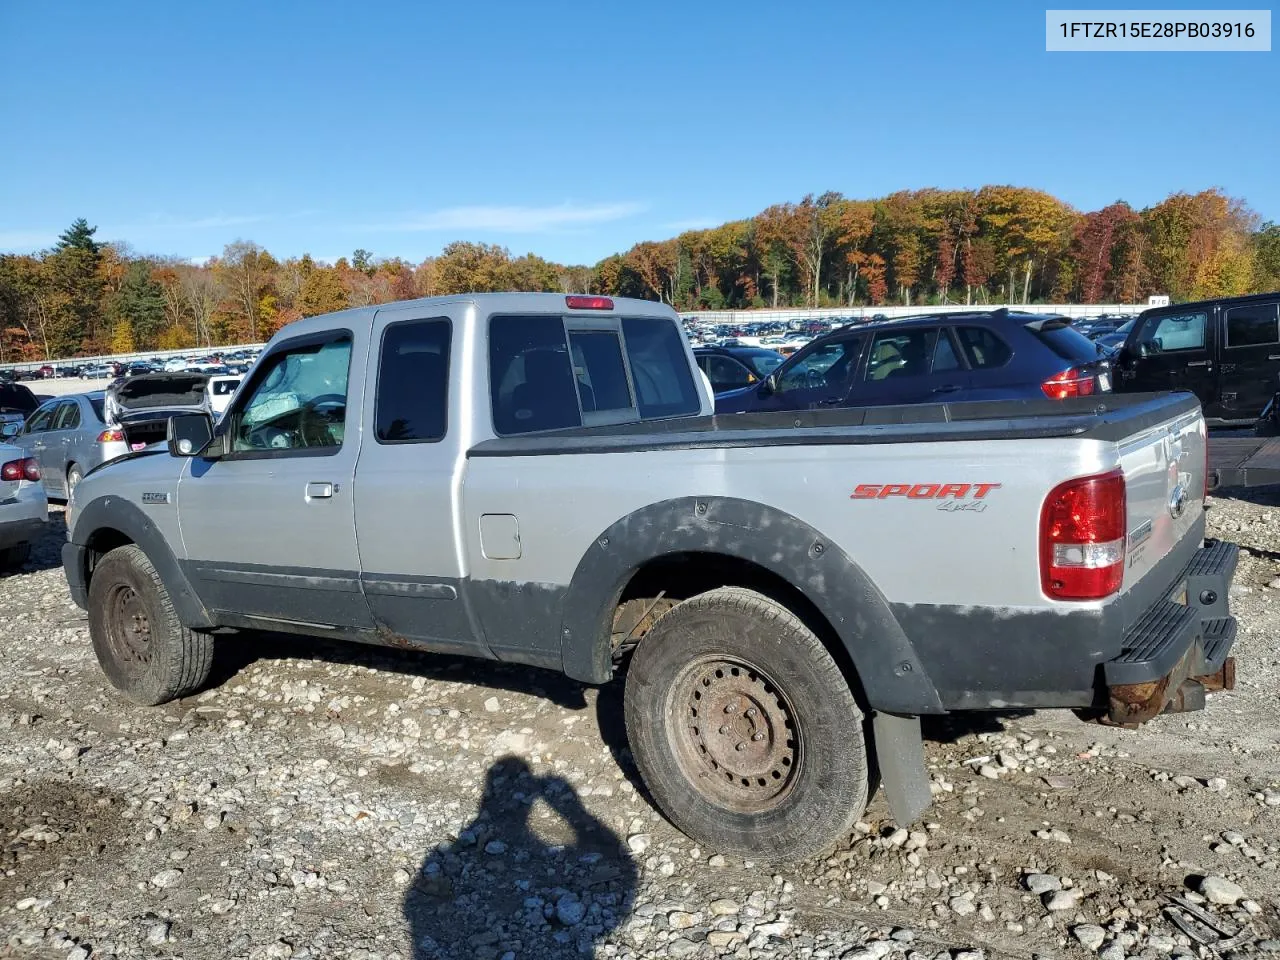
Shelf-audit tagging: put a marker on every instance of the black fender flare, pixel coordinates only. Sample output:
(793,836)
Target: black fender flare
(892,675)
(115,513)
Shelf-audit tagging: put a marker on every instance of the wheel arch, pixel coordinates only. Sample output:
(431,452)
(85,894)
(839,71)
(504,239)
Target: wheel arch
(108,522)
(777,551)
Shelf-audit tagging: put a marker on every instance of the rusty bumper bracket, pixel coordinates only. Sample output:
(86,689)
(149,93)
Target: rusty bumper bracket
(1176,692)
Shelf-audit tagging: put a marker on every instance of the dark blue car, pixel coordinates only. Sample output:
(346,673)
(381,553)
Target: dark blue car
(992,355)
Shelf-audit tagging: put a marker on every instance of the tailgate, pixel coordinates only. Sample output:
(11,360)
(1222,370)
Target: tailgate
(1164,471)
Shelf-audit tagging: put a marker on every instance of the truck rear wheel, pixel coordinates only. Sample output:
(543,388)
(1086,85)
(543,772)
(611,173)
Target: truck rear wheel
(142,647)
(744,729)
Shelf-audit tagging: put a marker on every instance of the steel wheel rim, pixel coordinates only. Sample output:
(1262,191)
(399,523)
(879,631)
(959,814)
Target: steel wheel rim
(128,629)
(735,734)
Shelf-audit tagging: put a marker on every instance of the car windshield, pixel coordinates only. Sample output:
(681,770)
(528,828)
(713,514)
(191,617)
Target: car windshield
(763,362)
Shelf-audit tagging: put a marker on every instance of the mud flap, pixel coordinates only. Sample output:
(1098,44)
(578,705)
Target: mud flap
(900,757)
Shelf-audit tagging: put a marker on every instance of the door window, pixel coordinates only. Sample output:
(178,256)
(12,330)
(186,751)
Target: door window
(726,373)
(899,354)
(1253,326)
(1173,332)
(829,365)
(412,404)
(67,417)
(41,420)
(982,348)
(298,402)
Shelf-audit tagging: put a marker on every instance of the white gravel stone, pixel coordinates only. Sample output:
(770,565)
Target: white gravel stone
(1221,891)
(1090,935)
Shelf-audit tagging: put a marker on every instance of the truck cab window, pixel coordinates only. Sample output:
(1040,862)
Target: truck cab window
(531,381)
(659,368)
(299,402)
(413,382)
(599,372)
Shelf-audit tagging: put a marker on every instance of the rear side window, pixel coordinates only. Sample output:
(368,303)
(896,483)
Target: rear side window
(1066,341)
(896,355)
(531,383)
(98,409)
(659,368)
(984,349)
(944,355)
(68,417)
(413,382)
(1253,326)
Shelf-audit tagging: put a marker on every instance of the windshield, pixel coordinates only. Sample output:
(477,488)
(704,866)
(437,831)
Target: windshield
(763,362)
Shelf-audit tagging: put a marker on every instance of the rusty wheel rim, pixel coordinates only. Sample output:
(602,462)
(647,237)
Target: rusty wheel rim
(735,734)
(128,629)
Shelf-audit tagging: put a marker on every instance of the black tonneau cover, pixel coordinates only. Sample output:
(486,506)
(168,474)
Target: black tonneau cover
(1112,418)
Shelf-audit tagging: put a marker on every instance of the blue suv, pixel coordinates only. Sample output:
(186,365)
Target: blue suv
(992,355)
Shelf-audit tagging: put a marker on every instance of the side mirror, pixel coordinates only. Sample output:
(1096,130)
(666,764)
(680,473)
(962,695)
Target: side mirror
(1146,348)
(769,385)
(190,434)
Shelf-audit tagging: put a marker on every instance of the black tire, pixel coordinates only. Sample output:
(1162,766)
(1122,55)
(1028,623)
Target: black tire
(795,774)
(11,558)
(74,476)
(142,647)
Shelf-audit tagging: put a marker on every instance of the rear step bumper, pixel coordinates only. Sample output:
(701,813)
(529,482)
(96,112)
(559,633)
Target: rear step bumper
(1180,649)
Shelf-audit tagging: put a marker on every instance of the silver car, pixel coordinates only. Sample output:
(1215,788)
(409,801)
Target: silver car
(68,437)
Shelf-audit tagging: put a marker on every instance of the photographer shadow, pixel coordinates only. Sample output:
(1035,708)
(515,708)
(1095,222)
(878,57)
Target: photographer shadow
(505,888)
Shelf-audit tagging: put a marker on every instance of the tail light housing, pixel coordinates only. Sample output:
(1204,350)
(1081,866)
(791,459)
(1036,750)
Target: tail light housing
(26,469)
(1083,526)
(111,436)
(1072,382)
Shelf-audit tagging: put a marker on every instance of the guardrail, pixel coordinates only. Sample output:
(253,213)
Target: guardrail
(140,355)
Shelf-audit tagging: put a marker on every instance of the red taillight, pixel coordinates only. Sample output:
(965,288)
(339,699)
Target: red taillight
(111,436)
(1082,533)
(1072,382)
(574,302)
(26,469)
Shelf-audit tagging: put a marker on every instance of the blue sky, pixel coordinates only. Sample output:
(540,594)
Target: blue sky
(577,129)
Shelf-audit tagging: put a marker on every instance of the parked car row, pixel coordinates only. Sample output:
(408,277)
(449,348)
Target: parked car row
(1226,352)
(990,355)
(234,362)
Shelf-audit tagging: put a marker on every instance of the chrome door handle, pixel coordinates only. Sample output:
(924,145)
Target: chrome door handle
(318,490)
(1197,363)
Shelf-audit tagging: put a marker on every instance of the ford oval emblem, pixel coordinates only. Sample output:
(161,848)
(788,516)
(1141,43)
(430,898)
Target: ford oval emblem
(1178,501)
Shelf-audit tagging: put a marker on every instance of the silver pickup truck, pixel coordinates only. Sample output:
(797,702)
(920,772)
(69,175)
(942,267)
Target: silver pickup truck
(537,478)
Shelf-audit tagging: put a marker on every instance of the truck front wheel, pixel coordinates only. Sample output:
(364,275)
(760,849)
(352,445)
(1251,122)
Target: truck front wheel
(141,645)
(744,729)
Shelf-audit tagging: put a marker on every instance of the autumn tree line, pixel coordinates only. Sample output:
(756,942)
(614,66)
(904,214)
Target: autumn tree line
(997,244)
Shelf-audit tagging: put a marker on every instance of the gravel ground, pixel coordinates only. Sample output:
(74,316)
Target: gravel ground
(331,801)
